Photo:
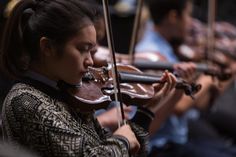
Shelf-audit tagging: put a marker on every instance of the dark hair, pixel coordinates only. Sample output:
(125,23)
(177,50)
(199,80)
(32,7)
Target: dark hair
(30,20)
(159,9)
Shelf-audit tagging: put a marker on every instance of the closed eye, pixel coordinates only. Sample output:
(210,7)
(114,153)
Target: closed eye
(87,47)
(93,51)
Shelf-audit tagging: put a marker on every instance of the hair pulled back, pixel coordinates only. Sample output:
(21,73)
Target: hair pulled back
(30,20)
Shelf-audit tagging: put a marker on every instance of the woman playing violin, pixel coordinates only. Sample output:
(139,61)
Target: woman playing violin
(51,40)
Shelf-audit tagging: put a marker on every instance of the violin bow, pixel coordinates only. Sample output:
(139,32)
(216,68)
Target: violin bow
(210,28)
(135,30)
(116,82)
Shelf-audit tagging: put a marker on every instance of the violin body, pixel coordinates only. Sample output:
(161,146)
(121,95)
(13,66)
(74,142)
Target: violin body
(155,61)
(87,97)
(132,93)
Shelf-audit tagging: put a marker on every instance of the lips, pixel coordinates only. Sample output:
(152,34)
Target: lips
(84,71)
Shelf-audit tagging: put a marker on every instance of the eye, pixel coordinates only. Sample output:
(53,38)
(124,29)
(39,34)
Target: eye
(93,51)
(83,49)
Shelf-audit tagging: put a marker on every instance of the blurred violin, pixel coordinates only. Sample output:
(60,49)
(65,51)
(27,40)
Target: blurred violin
(203,68)
(195,46)
(102,57)
(154,61)
(197,54)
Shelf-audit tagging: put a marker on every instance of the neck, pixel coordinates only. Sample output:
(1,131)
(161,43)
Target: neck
(163,31)
(42,70)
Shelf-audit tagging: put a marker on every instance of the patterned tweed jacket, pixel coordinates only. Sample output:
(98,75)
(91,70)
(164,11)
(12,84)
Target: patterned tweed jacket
(34,119)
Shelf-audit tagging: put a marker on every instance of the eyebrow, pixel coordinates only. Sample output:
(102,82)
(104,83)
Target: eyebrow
(90,44)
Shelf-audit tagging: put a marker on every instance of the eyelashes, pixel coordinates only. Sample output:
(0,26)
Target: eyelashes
(87,48)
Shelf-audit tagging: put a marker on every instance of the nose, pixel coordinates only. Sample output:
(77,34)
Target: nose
(88,61)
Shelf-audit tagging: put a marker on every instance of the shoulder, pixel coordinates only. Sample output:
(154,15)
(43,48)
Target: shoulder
(27,103)
(26,97)
(149,42)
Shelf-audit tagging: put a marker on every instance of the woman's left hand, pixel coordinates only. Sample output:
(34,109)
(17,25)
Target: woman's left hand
(162,90)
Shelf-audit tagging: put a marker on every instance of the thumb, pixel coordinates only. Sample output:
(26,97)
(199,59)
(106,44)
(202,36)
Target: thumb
(157,87)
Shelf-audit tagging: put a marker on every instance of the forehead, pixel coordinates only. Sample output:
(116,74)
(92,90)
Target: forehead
(88,30)
(85,34)
(189,7)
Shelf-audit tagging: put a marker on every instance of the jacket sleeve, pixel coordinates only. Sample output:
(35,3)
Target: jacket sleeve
(140,125)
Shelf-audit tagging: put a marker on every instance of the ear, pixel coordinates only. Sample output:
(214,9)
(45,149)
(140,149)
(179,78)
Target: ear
(46,46)
(173,16)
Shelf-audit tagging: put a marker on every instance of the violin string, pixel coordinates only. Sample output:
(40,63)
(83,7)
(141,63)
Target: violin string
(210,28)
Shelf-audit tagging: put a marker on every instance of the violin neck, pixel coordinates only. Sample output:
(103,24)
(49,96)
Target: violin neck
(201,67)
(145,65)
(127,77)
(166,66)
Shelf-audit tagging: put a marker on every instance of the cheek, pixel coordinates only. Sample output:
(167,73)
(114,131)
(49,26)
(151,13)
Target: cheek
(187,23)
(70,70)
(178,30)
(182,29)
(74,63)
(70,64)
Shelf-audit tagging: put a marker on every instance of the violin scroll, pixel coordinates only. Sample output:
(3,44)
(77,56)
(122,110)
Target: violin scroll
(189,89)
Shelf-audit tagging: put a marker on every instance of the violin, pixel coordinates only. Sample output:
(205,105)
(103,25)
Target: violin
(97,91)
(102,57)
(197,54)
(155,61)
(204,68)
(196,43)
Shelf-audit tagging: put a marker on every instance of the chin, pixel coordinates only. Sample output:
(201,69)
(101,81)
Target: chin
(73,81)
(76,82)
